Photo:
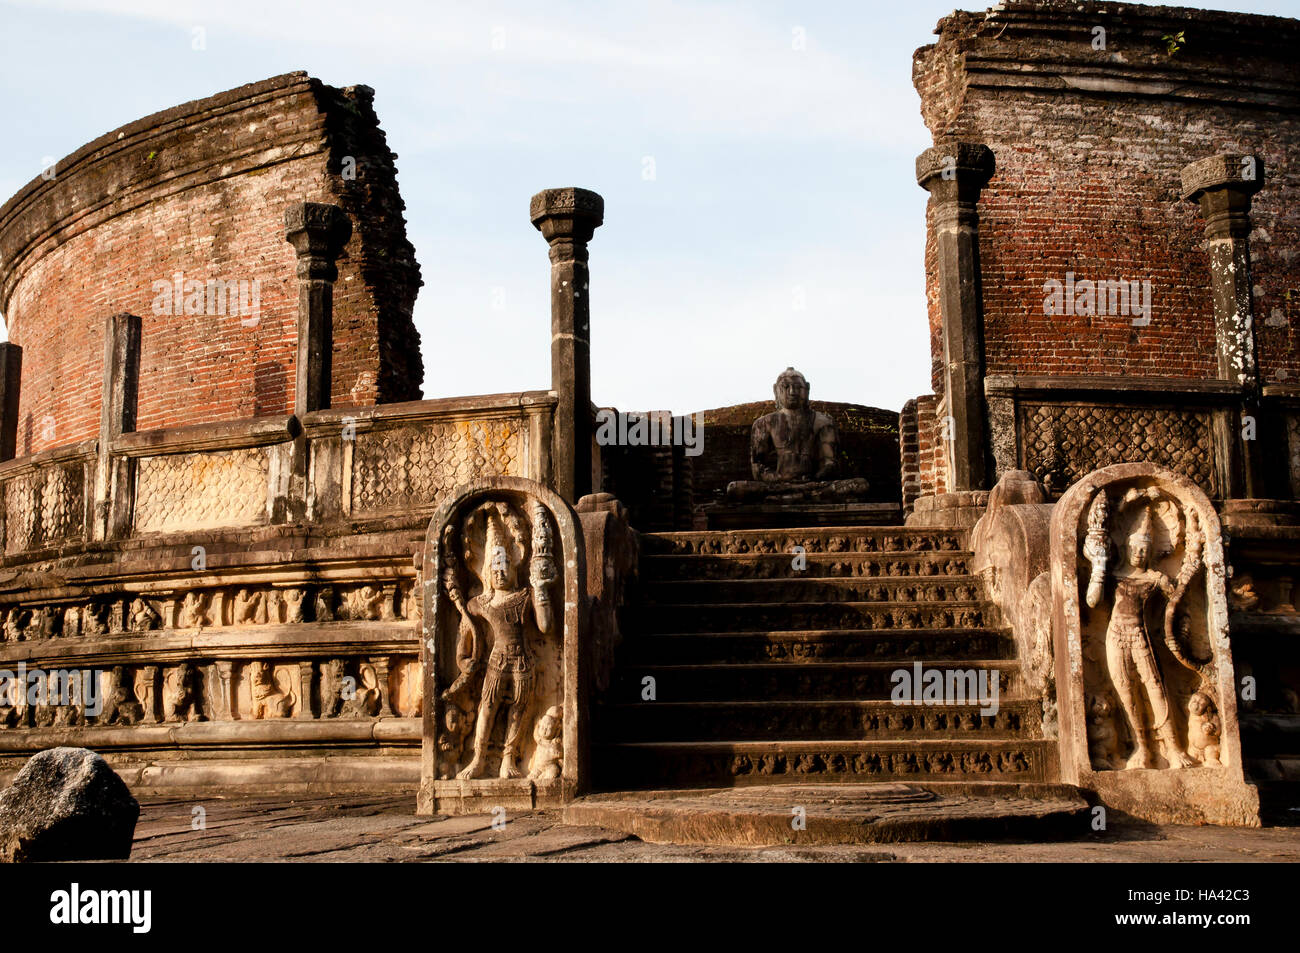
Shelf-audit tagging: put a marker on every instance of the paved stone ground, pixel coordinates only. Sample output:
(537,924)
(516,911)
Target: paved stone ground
(386,829)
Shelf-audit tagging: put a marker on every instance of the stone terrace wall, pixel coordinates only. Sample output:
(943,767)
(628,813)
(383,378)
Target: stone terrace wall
(201,190)
(207,578)
(1089,146)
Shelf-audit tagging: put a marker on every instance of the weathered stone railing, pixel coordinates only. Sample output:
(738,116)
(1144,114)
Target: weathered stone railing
(1062,428)
(363,463)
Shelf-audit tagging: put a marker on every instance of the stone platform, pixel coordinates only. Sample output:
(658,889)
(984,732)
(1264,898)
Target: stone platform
(829,814)
(373,829)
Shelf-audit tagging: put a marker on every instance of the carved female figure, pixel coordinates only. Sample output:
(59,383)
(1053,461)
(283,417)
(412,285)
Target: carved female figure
(1129,656)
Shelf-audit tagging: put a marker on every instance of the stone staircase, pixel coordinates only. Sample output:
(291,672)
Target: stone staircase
(767,674)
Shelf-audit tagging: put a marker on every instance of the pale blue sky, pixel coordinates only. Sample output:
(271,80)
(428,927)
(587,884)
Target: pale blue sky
(778,171)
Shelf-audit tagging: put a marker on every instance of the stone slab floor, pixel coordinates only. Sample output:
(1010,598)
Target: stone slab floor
(358,828)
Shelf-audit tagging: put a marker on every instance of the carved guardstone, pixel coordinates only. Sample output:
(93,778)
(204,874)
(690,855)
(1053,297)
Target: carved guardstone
(1144,672)
(504,619)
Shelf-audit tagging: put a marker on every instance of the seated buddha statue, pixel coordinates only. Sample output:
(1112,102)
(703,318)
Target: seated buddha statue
(794,453)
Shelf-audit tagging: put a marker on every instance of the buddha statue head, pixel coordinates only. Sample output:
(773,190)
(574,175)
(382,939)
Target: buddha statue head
(791,390)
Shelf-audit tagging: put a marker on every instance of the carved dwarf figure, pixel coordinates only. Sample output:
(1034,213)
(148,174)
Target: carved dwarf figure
(1203,729)
(121,706)
(184,696)
(1130,660)
(269,701)
(325,604)
(15,624)
(144,617)
(549,735)
(1103,739)
(451,740)
(361,695)
(196,609)
(494,624)
(250,607)
(292,600)
(94,619)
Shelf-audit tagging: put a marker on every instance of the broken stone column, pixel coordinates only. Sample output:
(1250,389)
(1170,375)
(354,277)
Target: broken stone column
(318,233)
(954,173)
(113,480)
(1223,186)
(567,218)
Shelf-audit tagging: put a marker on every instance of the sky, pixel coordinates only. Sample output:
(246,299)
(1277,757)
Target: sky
(756,161)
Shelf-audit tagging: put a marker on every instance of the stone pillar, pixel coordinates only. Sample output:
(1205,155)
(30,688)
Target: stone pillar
(11,372)
(567,218)
(1222,186)
(228,708)
(381,665)
(305,672)
(954,173)
(318,233)
(113,475)
(149,695)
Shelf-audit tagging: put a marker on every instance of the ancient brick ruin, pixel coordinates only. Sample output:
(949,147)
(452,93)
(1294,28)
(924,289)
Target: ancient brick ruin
(282,570)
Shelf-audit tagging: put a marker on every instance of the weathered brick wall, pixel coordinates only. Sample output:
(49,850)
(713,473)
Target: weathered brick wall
(1089,146)
(201,190)
(924,463)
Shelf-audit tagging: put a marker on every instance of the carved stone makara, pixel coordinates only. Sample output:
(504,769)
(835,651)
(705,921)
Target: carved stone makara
(1145,686)
(502,574)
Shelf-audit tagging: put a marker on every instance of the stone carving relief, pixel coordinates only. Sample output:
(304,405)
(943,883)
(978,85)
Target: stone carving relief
(405,466)
(183,697)
(272,696)
(44,507)
(500,609)
(1144,669)
(497,670)
(347,688)
(1063,442)
(1147,532)
(188,491)
(101,617)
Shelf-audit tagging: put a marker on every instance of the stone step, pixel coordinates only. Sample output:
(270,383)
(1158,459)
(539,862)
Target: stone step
(845,539)
(819,565)
(763,815)
(787,680)
(787,616)
(822,720)
(796,589)
(816,645)
(712,763)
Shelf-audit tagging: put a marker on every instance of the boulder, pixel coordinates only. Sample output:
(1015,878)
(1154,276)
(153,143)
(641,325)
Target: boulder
(66,804)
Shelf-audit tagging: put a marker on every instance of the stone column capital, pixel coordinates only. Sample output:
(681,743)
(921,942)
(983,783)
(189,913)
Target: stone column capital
(567,218)
(955,171)
(1223,186)
(318,233)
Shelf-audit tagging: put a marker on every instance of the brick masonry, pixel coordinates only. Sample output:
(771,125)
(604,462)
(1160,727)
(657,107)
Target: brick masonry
(200,190)
(1089,146)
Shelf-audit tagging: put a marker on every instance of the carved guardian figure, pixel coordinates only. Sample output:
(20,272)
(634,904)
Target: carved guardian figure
(493,631)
